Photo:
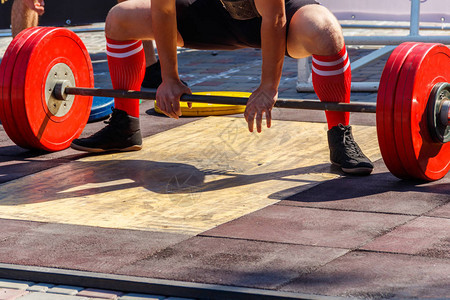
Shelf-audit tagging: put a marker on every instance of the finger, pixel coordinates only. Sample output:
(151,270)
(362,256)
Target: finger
(247,113)
(172,112)
(165,107)
(250,121)
(176,108)
(269,118)
(162,106)
(259,122)
(39,9)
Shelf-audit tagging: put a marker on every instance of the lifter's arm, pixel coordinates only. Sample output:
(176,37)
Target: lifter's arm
(36,5)
(164,24)
(273,46)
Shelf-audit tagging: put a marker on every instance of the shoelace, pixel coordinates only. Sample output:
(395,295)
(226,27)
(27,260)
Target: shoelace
(111,120)
(353,148)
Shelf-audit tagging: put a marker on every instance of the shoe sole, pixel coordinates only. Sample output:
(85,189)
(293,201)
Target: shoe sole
(99,150)
(355,171)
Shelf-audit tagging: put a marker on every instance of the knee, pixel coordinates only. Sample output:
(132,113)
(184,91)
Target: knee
(320,31)
(114,21)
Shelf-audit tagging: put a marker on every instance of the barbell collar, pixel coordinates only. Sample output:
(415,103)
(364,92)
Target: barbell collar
(60,88)
(362,107)
(445,113)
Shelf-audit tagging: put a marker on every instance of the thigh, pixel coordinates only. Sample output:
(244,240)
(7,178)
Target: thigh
(131,19)
(292,6)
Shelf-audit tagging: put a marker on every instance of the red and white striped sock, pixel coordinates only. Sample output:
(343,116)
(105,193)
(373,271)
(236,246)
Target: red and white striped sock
(126,61)
(332,79)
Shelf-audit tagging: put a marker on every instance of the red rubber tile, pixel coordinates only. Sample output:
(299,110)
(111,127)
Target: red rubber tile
(13,228)
(233,262)
(379,192)
(11,168)
(309,226)
(370,275)
(424,236)
(441,212)
(82,247)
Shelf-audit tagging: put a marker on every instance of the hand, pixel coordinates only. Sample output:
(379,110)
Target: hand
(36,5)
(168,97)
(260,102)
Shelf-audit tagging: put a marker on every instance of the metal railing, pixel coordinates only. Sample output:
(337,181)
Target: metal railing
(304,80)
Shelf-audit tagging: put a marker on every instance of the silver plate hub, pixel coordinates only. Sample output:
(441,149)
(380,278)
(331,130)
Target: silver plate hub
(58,72)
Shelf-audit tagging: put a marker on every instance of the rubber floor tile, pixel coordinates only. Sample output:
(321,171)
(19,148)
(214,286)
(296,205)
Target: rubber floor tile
(233,262)
(423,236)
(12,168)
(379,192)
(441,212)
(309,226)
(370,275)
(10,228)
(82,247)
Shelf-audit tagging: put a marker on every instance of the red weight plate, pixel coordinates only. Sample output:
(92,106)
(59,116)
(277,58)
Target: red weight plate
(406,80)
(55,46)
(6,73)
(424,158)
(385,108)
(17,95)
(6,67)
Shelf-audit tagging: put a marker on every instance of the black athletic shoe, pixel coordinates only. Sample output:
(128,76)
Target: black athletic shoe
(345,152)
(121,134)
(152,78)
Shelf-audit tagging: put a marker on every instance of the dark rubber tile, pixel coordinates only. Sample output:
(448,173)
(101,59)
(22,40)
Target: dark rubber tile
(79,247)
(379,192)
(441,212)
(233,262)
(423,236)
(12,167)
(309,226)
(11,228)
(370,275)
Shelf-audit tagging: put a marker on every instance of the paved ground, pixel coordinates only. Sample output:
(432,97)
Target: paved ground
(268,213)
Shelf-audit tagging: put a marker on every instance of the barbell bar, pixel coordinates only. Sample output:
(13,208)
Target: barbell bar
(47,85)
(62,90)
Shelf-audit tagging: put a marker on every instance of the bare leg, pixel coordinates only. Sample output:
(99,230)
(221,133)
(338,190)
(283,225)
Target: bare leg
(149,49)
(22,17)
(131,20)
(314,30)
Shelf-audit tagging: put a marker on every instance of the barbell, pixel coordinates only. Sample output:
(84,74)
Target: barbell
(47,85)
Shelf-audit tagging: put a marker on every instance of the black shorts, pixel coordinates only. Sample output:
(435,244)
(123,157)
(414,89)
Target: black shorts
(206,25)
